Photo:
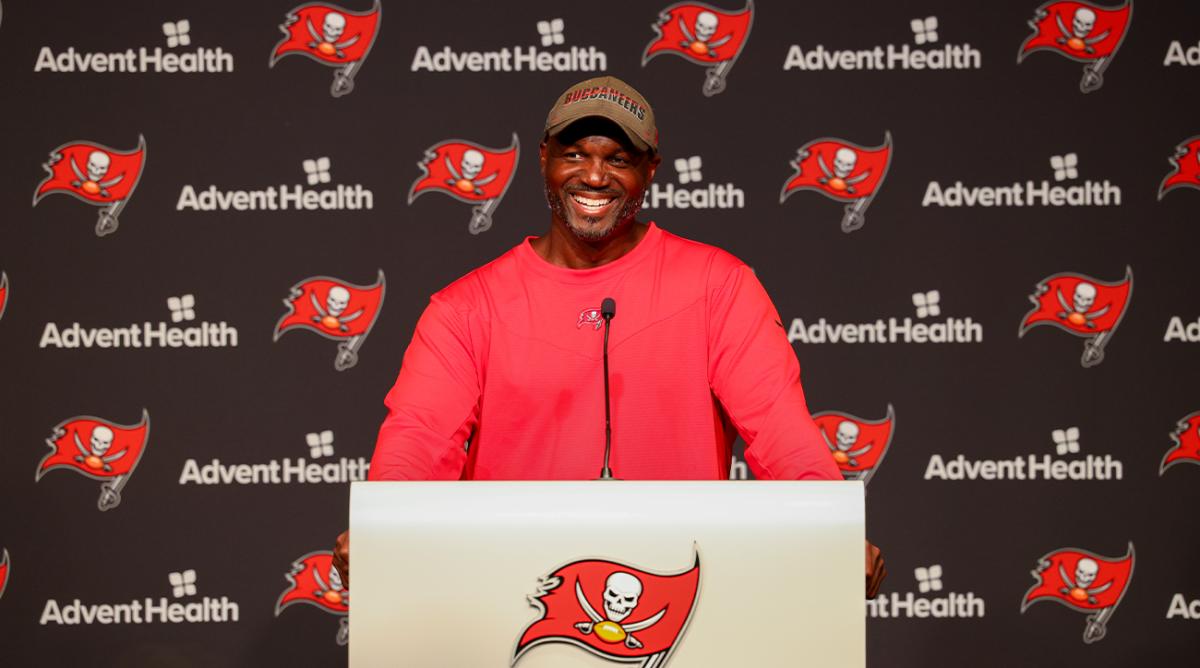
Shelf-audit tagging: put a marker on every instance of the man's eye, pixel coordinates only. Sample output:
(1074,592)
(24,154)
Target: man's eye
(618,160)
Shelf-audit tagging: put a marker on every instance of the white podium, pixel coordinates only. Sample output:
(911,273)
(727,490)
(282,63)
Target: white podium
(578,574)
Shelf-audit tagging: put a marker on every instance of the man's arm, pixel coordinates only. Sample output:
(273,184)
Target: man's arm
(754,373)
(434,405)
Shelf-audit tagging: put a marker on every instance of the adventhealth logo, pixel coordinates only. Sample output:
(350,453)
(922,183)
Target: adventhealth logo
(929,604)
(890,57)
(1029,193)
(148,610)
(517,58)
(1033,466)
(690,173)
(286,471)
(892,330)
(285,197)
(146,334)
(202,60)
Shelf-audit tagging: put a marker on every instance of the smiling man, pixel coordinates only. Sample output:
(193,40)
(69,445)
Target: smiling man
(508,358)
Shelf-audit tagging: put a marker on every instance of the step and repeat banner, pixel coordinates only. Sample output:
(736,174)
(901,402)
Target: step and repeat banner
(222,220)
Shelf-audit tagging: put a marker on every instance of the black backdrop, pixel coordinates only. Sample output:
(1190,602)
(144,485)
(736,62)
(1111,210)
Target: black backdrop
(997,397)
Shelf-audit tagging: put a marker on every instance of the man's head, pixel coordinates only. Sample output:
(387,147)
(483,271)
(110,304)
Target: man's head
(598,155)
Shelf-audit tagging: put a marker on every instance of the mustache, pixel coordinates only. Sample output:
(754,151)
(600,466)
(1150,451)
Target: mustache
(584,190)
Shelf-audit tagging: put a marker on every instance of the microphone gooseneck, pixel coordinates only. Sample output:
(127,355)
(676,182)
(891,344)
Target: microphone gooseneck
(608,310)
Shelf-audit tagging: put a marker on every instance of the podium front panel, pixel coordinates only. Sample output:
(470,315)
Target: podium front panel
(566,574)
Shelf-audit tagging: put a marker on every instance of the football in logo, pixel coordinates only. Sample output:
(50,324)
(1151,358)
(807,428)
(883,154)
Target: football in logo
(613,610)
(1187,443)
(314,581)
(703,35)
(336,310)
(468,172)
(331,36)
(857,445)
(1083,581)
(843,172)
(96,174)
(1080,31)
(1083,306)
(99,449)
(1186,164)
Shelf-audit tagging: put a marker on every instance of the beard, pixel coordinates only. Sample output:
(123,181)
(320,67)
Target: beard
(592,228)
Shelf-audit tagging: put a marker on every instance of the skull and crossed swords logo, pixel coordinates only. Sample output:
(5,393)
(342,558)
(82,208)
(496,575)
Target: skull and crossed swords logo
(326,42)
(330,316)
(621,593)
(1078,312)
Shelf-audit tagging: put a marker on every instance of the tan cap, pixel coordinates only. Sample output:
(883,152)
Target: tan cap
(610,98)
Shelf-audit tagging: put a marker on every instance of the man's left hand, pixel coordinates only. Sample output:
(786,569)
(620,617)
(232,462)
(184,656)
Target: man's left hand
(876,570)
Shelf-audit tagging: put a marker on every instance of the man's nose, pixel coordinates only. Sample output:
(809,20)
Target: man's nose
(596,174)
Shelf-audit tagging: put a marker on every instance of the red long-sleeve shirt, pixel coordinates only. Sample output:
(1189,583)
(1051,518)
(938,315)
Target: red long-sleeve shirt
(510,357)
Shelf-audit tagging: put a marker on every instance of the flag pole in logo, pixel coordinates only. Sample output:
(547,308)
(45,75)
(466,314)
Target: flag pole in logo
(1186,162)
(332,36)
(704,35)
(3,292)
(96,174)
(1080,31)
(308,586)
(468,172)
(99,449)
(613,610)
(842,171)
(1093,310)
(1187,443)
(1083,581)
(5,571)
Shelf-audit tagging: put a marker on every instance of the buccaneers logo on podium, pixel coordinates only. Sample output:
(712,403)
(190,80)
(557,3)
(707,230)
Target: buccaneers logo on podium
(1082,306)
(330,35)
(1187,443)
(314,581)
(1082,581)
(336,310)
(857,445)
(96,174)
(841,171)
(1186,162)
(613,610)
(704,35)
(99,449)
(468,172)
(1080,31)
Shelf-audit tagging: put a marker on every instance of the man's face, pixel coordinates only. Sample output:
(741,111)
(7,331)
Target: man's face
(595,178)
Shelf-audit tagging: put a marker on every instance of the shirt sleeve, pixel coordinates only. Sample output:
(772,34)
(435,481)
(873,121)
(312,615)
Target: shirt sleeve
(755,375)
(434,406)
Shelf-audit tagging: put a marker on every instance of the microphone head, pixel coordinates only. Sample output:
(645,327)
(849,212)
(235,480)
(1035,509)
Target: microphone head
(608,308)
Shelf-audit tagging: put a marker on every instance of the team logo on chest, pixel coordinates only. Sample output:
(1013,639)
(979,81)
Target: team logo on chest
(590,317)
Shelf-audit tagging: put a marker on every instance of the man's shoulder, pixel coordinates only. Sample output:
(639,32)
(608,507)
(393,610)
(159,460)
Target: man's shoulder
(684,253)
(467,291)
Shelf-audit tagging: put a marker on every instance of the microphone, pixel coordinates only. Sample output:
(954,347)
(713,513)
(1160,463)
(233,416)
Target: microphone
(608,310)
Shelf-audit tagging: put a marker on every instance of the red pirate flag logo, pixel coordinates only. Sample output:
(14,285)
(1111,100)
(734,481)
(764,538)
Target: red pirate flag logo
(99,449)
(96,174)
(613,610)
(468,172)
(1080,31)
(336,310)
(1083,306)
(3,292)
(314,581)
(1186,162)
(857,445)
(1187,443)
(5,570)
(1083,581)
(330,35)
(704,35)
(841,171)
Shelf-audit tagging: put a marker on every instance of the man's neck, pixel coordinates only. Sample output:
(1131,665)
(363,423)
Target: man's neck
(563,248)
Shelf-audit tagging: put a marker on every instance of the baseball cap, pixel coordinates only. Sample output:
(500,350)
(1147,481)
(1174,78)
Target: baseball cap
(611,98)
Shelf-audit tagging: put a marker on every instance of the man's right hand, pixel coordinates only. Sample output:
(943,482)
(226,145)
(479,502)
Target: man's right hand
(341,557)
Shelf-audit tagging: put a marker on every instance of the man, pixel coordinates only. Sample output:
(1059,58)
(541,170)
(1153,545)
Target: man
(509,356)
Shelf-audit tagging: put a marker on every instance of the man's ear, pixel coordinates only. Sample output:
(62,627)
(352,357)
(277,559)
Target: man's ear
(542,156)
(653,167)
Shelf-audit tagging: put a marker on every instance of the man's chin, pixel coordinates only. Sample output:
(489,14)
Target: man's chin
(592,229)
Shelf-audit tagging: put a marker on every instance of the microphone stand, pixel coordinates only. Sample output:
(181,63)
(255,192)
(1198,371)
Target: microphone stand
(608,310)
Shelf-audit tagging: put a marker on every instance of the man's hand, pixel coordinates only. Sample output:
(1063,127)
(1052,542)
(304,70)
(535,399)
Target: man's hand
(876,571)
(341,557)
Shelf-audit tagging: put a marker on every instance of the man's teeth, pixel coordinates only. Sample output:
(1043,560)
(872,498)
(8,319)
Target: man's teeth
(588,201)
